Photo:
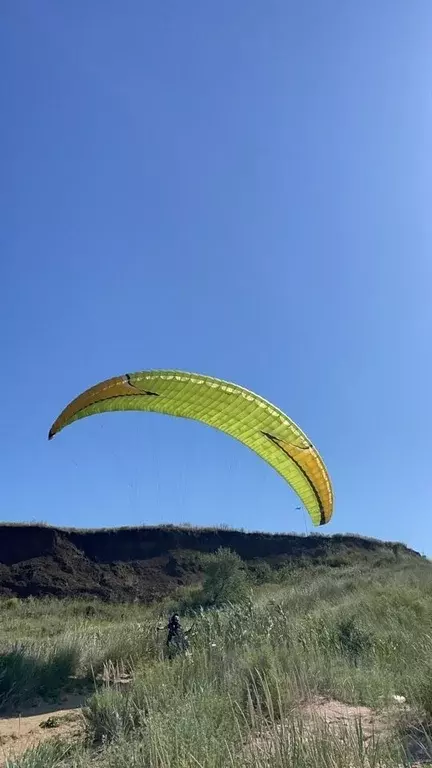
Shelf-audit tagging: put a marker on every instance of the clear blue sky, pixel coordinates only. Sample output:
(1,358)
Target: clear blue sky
(236,188)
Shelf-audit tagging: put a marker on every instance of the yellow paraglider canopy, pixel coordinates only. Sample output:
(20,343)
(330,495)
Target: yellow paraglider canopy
(249,418)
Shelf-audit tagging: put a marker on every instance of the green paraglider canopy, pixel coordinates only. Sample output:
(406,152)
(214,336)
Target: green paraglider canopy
(246,416)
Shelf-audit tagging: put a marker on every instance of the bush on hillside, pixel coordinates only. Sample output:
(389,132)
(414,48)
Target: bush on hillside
(225,579)
(260,572)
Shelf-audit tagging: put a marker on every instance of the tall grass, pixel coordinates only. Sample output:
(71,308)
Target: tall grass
(27,674)
(239,699)
(53,754)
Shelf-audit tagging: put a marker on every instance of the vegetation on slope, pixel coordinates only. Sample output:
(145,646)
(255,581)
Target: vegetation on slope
(358,633)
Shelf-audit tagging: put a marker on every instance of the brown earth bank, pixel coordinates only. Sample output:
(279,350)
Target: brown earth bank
(148,563)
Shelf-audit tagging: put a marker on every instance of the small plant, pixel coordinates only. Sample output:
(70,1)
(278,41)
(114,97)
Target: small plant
(51,722)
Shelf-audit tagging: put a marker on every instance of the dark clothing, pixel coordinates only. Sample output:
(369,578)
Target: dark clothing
(174,628)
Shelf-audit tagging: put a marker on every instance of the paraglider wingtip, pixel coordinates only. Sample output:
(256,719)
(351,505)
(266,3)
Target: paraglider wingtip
(50,434)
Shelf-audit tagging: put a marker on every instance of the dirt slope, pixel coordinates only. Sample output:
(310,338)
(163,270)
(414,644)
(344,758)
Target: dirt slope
(150,562)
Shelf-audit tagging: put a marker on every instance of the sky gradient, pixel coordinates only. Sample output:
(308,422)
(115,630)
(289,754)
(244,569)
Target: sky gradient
(239,189)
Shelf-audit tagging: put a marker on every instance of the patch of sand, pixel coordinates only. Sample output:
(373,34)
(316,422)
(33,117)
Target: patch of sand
(321,715)
(45,721)
(40,723)
(339,716)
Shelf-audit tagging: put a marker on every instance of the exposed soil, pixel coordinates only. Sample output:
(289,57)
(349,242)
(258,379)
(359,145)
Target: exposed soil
(148,563)
(339,719)
(40,723)
(339,716)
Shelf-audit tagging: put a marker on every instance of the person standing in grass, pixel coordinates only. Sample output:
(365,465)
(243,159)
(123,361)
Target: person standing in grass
(174,628)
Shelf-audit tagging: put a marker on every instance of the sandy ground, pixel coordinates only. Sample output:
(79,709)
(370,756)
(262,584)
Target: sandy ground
(47,721)
(38,724)
(44,721)
(340,718)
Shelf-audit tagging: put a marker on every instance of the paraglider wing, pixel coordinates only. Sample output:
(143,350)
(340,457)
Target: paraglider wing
(228,407)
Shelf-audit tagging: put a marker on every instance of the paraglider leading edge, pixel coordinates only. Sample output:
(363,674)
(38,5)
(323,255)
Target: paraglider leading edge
(228,407)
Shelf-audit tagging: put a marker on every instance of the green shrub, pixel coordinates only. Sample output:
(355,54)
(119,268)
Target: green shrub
(111,715)
(261,572)
(225,579)
(25,674)
(10,603)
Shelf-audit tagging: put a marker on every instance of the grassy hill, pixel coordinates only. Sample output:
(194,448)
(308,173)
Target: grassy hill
(149,563)
(324,665)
